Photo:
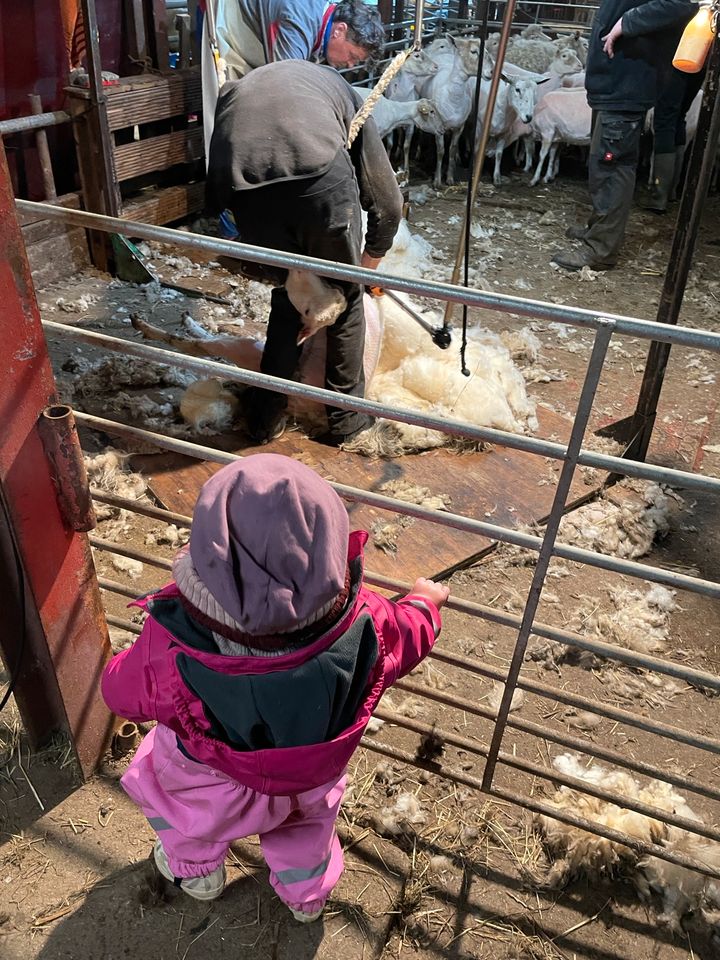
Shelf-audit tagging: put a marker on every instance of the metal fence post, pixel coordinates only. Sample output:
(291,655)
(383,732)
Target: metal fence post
(582,415)
(53,636)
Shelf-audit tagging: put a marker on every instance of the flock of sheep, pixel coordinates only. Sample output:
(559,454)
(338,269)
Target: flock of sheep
(541,98)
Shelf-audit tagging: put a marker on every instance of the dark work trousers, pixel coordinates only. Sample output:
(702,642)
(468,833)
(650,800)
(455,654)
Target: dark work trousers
(614,153)
(319,217)
(676,94)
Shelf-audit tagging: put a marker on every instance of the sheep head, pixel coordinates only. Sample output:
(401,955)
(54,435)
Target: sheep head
(428,119)
(419,64)
(317,301)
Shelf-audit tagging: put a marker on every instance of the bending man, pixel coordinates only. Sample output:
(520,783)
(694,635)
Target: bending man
(279,161)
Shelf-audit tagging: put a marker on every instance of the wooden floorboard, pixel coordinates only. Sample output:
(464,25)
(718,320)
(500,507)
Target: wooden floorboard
(502,486)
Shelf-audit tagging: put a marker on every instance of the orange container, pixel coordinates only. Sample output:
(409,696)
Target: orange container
(695,42)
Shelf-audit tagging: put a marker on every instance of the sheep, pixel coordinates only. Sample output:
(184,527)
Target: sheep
(452,94)
(682,891)
(534,55)
(573,80)
(515,102)
(573,41)
(563,116)
(406,84)
(407,114)
(534,31)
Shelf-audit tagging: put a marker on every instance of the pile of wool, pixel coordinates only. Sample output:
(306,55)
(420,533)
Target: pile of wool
(402,489)
(413,373)
(410,255)
(681,892)
(209,405)
(107,470)
(133,568)
(140,408)
(639,621)
(402,817)
(118,372)
(171,536)
(624,529)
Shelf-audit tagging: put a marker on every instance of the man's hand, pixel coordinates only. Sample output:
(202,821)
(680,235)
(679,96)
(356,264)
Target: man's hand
(370,263)
(610,38)
(435,592)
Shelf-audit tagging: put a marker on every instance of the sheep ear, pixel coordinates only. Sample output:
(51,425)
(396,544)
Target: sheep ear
(544,80)
(451,39)
(506,79)
(424,110)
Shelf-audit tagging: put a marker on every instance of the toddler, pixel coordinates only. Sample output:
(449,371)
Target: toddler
(262,664)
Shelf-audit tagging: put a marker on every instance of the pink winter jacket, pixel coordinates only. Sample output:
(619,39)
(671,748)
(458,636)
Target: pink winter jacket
(145,683)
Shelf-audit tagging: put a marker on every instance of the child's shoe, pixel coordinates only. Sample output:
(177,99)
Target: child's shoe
(200,888)
(306,917)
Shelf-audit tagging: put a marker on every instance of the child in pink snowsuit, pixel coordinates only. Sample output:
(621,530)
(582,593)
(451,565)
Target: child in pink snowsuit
(262,664)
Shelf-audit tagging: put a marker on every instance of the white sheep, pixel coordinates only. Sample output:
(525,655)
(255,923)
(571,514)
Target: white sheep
(406,114)
(451,91)
(563,116)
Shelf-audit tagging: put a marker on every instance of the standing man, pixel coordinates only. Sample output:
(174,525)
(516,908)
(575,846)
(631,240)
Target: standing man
(250,33)
(629,42)
(279,162)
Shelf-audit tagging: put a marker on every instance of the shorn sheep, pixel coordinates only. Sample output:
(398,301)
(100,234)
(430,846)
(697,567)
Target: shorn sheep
(576,853)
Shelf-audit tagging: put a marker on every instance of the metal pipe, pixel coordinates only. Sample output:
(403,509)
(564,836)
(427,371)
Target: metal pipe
(582,416)
(479,157)
(515,441)
(557,695)
(105,144)
(546,773)
(112,586)
(504,303)
(703,157)
(37,121)
(526,726)
(144,509)
(606,650)
(444,518)
(106,545)
(543,732)
(545,809)
(419,9)
(62,448)
(43,151)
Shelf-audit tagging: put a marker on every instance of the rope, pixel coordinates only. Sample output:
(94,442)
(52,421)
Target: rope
(366,109)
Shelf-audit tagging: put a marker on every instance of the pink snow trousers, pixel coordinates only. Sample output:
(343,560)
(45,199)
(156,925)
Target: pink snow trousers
(198,811)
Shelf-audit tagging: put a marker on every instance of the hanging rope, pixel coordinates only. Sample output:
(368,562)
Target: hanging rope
(468,196)
(366,109)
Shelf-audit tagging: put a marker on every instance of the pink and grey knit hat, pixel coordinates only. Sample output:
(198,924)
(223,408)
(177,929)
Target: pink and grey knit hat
(268,549)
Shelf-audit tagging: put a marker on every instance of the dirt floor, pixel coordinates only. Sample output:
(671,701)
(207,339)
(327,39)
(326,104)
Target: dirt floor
(432,867)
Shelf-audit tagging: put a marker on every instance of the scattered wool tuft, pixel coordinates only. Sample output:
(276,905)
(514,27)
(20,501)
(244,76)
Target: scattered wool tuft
(440,864)
(581,854)
(115,373)
(107,471)
(120,639)
(412,493)
(172,536)
(496,694)
(639,621)
(208,405)
(143,408)
(626,529)
(522,344)
(402,817)
(374,725)
(133,568)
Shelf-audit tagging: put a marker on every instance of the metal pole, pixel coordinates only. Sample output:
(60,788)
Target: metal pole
(483,299)
(41,144)
(692,203)
(419,11)
(105,146)
(60,622)
(582,415)
(33,122)
(482,147)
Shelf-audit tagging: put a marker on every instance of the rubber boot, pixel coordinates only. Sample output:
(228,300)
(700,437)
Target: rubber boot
(663,183)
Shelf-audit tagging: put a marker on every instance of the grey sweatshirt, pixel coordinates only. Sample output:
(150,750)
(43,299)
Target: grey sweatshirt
(288,121)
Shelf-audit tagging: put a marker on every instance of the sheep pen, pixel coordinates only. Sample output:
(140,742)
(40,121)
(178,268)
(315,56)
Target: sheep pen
(479,877)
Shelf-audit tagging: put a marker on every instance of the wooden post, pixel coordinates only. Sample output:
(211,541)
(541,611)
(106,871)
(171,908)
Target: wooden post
(53,635)
(137,41)
(162,48)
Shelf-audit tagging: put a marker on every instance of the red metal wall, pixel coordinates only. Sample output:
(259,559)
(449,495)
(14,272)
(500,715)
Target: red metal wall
(32,54)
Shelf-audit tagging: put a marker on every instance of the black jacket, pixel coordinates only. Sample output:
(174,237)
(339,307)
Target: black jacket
(288,121)
(651,31)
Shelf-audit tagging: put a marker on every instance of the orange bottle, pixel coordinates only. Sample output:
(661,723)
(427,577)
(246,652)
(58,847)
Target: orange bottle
(695,42)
